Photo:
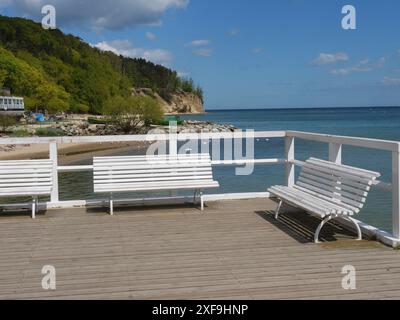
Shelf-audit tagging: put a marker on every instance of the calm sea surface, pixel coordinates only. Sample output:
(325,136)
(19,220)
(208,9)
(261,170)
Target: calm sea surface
(381,123)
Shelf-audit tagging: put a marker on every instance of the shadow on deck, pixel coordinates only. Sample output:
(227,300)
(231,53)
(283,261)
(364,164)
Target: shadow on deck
(233,250)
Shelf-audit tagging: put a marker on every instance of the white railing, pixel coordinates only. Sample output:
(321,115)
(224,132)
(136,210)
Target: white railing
(335,147)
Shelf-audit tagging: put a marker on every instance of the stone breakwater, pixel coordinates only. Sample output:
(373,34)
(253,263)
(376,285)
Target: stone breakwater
(85,129)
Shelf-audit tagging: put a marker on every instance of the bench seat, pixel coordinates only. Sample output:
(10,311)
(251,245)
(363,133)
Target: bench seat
(152,174)
(31,178)
(328,190)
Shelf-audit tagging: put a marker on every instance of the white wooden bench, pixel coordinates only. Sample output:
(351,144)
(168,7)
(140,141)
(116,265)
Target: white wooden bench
(328,191)
(31,178)
(153,173)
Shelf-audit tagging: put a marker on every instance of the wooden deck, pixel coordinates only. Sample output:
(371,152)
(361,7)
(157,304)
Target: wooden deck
(234,250)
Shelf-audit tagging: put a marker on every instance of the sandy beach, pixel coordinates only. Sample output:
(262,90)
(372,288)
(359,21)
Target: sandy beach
(69,153)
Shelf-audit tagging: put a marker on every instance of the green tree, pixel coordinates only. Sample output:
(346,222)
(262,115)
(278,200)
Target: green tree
(129,114)
(51,98)
(80,78)
(3,76)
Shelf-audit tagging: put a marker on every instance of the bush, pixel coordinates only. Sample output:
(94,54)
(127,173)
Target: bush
(131,113)
(6,122)
(20,133)
(49,132)
(100,121)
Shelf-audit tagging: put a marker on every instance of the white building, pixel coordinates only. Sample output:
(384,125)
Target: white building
(12,104)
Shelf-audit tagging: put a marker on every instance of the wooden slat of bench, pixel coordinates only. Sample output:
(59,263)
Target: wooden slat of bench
(24,191)
(22,170)
(327,198)
(344,180)
(336,183)
(318,202)
(329,194)
(145,157)
(123,176)
(25,177)
(334,172)
(158,166)
(17,165)
(302,198)
(161,183)
(24,184)
(347,169)
(148,180)
(24,162)
(164,170)
(152,161)
(311,206)
(154,187)
(194,176)
(336,193)
(28,179)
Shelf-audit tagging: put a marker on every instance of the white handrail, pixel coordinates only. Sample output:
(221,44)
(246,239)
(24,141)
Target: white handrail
(350,141)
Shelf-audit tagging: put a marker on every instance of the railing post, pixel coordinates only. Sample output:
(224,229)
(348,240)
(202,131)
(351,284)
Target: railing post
(396,193)
(173,138)
(54,158)
(173,146)
(335,153)
(290,157)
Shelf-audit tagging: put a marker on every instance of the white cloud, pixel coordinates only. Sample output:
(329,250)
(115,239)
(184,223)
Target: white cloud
(329,58)
(391,82)
(257,50)
(199,43)
(203,52)
(365,65)
(101,14)
(126,49)
(150,35)
(234,32)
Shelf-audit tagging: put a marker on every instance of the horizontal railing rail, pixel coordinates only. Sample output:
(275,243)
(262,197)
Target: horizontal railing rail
(350,141)
(335,146)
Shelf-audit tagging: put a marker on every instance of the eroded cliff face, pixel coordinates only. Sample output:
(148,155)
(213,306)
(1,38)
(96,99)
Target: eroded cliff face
(181,102)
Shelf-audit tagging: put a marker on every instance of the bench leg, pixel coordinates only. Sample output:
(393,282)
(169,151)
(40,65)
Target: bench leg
(359,233)
(111,205)
(201,201)
(33,208)
(195,197)
(278,208)
(325,221)
(37,204)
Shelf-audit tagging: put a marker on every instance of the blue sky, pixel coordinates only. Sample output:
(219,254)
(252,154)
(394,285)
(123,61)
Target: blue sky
(250,54)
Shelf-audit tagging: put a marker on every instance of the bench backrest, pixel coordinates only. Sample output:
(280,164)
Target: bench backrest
(335,182)
(25,177)
(150,170)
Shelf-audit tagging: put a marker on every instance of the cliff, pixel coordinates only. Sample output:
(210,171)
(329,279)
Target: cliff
(180,102)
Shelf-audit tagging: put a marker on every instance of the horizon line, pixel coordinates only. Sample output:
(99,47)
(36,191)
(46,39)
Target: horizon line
(300,108)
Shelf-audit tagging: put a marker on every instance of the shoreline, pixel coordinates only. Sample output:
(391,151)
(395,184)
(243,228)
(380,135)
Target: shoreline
(70,154)
(78,153)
